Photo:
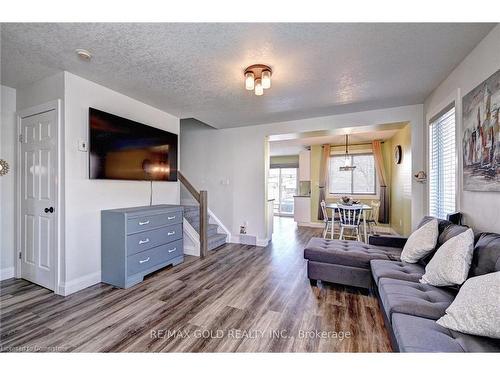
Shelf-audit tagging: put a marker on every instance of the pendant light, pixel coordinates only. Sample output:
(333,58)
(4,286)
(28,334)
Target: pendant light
(348,159)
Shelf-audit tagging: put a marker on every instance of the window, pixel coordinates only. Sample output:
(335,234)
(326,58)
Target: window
(282,186)
(442,172)
(360,180)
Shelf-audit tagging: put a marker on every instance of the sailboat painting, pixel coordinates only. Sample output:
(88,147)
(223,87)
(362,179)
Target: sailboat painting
(481,136)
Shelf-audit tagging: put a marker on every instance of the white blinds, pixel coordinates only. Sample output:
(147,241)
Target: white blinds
(442,174)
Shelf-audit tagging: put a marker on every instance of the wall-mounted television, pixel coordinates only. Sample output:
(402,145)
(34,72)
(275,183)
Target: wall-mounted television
(122,149)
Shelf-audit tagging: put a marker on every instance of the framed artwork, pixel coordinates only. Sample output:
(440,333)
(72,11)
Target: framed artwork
(481,136)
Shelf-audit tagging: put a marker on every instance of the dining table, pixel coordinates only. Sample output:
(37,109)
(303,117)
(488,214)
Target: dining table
(364,208)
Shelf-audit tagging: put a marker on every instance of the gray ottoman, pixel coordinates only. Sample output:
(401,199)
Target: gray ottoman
(345,262)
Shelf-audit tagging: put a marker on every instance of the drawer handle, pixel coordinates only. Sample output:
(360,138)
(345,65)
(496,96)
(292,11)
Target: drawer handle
(170,217)
(170,233)
(144,222)
(143,241)
(144,261)
(172,250)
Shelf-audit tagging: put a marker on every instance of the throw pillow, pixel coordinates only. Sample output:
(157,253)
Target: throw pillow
(451,263)
(421,242)
(476,308)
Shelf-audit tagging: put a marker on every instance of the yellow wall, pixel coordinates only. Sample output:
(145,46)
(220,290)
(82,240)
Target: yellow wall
(315,167)
(400,188)
(315,163)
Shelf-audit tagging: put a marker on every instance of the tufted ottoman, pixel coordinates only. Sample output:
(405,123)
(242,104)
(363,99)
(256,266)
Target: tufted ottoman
(345,262)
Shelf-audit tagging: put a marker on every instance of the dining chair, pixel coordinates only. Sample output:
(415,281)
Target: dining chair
(350,218)
(372,216)
(328,221)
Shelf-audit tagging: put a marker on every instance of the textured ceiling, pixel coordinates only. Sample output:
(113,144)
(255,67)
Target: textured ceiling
(294,146)
(196,70)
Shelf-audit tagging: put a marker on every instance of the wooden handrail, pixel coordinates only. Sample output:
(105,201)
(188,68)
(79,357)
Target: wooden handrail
(202,198)
(189,186)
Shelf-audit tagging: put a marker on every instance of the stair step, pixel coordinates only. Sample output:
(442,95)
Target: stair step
(212,228)
(216,240)
(191,214)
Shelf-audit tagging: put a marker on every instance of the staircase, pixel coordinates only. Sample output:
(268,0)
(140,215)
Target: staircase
(215,239)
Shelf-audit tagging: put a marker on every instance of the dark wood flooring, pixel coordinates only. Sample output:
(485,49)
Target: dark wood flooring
(238,299)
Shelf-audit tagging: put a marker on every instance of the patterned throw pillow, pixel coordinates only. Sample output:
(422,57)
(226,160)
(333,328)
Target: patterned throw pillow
(451,263)
(421,242)
(476,308)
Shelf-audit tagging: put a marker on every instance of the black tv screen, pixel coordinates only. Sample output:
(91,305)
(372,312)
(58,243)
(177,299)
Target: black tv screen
(122,149)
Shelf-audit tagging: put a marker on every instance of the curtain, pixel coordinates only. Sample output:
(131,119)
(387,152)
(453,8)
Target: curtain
(323,177)
(383,216)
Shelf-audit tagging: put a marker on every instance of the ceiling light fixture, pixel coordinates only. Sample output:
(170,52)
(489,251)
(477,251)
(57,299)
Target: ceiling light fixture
(83,54)
(347,164)
(258,78)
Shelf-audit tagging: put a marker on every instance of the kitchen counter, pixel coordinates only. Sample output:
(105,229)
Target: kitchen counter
(302,209)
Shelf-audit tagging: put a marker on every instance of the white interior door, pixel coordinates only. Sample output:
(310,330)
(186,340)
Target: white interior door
(38,211)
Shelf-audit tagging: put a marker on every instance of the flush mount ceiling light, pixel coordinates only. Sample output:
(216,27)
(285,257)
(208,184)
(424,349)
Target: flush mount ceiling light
(83,54)
(258,78)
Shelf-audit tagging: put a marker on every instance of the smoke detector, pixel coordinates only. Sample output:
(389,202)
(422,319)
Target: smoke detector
(83,54)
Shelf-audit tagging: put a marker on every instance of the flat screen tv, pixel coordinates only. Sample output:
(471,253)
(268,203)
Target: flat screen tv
(122,149)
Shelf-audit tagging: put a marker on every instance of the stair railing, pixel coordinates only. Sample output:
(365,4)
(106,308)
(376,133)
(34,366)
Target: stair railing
(202,198)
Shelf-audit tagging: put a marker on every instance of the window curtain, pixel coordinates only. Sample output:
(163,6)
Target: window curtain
(323,174)
(383,216)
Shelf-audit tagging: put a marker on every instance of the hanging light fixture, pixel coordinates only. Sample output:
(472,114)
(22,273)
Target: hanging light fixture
(348,159)
(258,78)
(259,89)
(249,81)
(266,79)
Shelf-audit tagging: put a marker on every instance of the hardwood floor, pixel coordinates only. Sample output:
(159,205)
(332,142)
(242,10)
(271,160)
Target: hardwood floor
(248,299)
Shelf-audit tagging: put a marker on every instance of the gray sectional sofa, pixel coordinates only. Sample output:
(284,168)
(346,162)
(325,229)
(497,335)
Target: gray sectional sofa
(410,308)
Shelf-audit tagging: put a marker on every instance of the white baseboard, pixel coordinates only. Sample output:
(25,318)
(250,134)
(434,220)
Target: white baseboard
(311,225)
(7,273)
(76,285)
(261,242)
(191,250)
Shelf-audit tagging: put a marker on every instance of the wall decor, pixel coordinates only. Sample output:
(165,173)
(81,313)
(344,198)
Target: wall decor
(481,136)
(4,167)
(420,176)
(398,154)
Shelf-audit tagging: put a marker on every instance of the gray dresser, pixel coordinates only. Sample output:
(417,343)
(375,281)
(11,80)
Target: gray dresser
(139,240)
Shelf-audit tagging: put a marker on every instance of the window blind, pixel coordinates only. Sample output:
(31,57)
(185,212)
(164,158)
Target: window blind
(442,164)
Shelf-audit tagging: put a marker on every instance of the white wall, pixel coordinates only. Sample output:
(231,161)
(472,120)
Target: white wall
(86,198)
(211,156)
(481,209)
(7,152)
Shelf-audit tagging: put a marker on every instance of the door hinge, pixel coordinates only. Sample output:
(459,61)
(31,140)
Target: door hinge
(20,137)
(20,255)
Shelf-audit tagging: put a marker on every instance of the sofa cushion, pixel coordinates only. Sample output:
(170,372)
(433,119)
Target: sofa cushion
(421,242)
(476,309)
(451,263)
(446,231)
(348,253)
(396,270)
(486,256)
(413,298)
(416,334)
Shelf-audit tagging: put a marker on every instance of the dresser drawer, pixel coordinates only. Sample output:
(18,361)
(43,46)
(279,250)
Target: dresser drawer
(146,240)
(152,221)
(149,258)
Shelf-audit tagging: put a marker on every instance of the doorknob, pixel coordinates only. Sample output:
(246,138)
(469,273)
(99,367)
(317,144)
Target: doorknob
(50,209)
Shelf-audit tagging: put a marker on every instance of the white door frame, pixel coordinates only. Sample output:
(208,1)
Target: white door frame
(56,252)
